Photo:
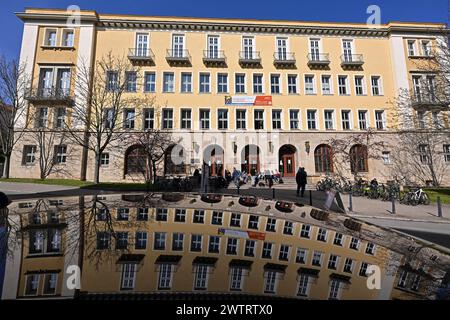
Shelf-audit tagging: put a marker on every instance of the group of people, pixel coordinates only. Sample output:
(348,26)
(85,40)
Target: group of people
(243,177)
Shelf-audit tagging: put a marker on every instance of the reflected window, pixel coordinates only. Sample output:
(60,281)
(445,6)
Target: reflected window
(249,248)
(177,241)
(288,228)
(370,248)
(122,240)
(284,253)
(348,265)
(253,222)
(180,215)
(50,282)
(303,281)
(271,224)
(160,241)
(338,239)
(306,231)
(334,290)
(141,240)
(333,261)
(403,279)
(363,269)
(32,285)
(165,277)
(301,256)
(199,216)
(123,214)
(322,235)
(103,240)
(267,250)
(128,276)
(270,282)
(235,220)
(161,214)
(217,218)
(232,246)
(354,244)
(142,214)
(214,244)
(201,277)
(317,259)
(236,278)
(196,242)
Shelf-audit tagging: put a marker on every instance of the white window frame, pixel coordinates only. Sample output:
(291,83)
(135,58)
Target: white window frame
(279,120)
(262,83)
(128,278)
(280,87)
(297,91)
(363,84)
(333,119)
(270,281)
(219,83)
(383,119)
(46,34)
(191,84)
(314,86)
(64,34)
(201,277)
(316,122)
(165,276)
(245,120)
(330,78)
(202,84)
(347,86)
(164,73)
(380,85)
(299,123)
(240,84)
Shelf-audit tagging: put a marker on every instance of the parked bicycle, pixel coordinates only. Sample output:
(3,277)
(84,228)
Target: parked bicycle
(415,197)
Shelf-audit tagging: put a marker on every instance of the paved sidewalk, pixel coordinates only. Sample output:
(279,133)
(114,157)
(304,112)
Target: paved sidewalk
(13,188)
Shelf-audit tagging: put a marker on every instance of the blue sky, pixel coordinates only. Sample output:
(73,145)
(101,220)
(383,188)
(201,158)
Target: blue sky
(322,10)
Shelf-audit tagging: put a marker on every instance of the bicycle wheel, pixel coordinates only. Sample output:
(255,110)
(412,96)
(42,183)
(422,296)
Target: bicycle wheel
(425,199)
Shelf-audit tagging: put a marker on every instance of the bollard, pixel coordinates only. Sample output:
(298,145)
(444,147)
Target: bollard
(273,193)
(350,202)
(310,198)
(439,207)
(238,189)
(393,205)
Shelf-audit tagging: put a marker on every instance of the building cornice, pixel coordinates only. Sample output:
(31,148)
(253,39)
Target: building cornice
(208,25)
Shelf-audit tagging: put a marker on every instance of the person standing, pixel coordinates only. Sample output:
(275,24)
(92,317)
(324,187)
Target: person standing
(301,179)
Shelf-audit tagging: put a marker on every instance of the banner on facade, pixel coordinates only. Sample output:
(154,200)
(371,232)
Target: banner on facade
(248,100)
(242,234)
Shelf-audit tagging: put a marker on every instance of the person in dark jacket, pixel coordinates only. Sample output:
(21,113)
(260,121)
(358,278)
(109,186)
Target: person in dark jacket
(301,178)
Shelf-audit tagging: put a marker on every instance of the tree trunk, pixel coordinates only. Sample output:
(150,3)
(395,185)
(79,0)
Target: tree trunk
(6,166)
(154,171)
(97,168)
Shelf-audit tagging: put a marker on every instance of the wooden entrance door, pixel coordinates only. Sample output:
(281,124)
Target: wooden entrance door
(288,165)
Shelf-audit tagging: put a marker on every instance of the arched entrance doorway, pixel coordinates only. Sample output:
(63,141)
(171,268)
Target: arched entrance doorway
(213,158)
(174,160)
(250,162)
(286,157)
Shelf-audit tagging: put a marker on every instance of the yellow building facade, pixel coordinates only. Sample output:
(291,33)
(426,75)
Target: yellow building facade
(250,94)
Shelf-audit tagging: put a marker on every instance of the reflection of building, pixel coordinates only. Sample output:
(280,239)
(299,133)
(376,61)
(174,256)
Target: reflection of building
(245,94)
(155,246)
(5,125)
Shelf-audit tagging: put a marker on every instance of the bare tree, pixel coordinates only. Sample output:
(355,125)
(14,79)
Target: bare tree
(354,151)
(104,92)
(419,156)
(14,82)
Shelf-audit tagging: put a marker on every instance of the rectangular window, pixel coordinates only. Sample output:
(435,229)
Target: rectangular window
(303,281)
(421,119)
(334,290)
(424,153)
(204,85)
(311,119)
(326,85)
(276,119)
(253,222)
(235,220)
(348,265)
(343,87)
(159,241)
(292,84)
(204,119)
(122,240)
(217,218)
(180,215)
(129,116)
(167,118)
(359,85)
(236,278)
(284,253)
(301,256)
(50,37)
(103,240)
(354,244)
(68,38)
(386,156)
(232,246)
(347,46)
(178,46)
(332,262)
(104,159)
(294,119)
(402,279)
(214,244)
(60,118)
(249,248)
(29,155)
(201,277)
(322,235)
(275,84)
(149,82)
(426,48)
(60,154)
(149,118)
(309,85)
(196,242)
(329,119)
(446,153)
(411,48)
(186,82)
(32,285)
(128,276)
(165,276)
(141,240)
(270,282)
(241,119)
(161,214)
(288,228)
(259,119)
(436,120)
(376,86)
(177,241)
(186,118)
(363,269)
(317,259)
(258,86)
(380,120)
(213,47)
(248,48)
(239,85)
(346,124)
(50,281)
(370,248)
(168,82)
(271,224)
(42,118)
(199,216)
(222,119)
(362,120)
(131,81)
(222,83)
(267,250)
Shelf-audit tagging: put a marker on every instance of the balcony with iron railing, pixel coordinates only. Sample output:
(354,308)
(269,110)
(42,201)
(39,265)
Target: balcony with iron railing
(178,56)
(50,95)
(426,101)
(141,55)
(248,58)
(318,59)
(214,57)
(284,58)
(352,60)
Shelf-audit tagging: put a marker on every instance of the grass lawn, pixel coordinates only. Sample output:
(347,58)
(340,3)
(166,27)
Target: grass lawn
(444,193)
(59,182)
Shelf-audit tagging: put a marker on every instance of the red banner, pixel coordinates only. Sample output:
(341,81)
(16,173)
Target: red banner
(263,101)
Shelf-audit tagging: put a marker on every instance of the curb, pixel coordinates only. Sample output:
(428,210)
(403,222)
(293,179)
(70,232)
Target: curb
(398,219)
